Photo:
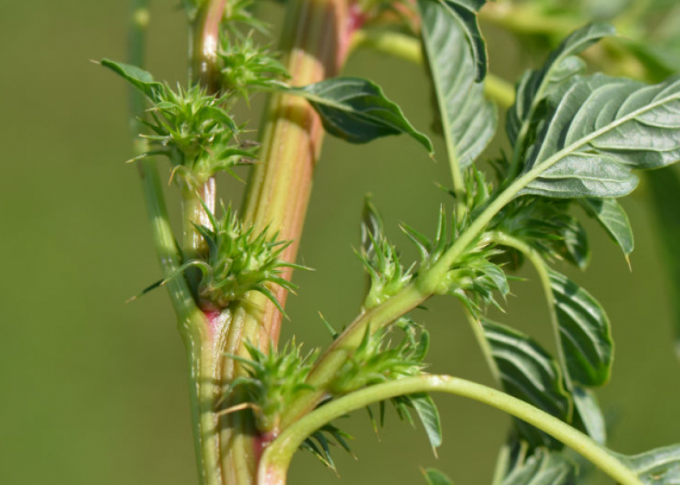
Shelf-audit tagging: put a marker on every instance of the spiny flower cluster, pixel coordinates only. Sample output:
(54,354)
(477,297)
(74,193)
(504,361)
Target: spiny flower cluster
(247,66)
(381,260)
(197,134)
(272,381)
(240,260)
(189,126)
(376,360)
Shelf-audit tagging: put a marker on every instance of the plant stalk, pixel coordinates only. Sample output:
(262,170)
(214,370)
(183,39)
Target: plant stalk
(276,459)
(315,43)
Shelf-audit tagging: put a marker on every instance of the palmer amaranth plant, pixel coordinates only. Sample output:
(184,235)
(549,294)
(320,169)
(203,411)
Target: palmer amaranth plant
(577,140)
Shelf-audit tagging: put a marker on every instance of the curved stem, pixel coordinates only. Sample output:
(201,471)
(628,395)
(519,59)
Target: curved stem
(277,457)
(544,276)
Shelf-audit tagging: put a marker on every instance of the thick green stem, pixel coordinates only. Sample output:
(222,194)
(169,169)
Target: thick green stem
(276,459)
(315,42)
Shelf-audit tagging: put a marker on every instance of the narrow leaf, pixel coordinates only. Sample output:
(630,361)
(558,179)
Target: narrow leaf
(588,415)
(429,416)
(613,219)
(465,13)
(664,191)
(468,119)
(561,65)
(585,334)
(656,467)
(529,373)
(356,110)
(543,467)
(599,128)
(139,78)
(435,477)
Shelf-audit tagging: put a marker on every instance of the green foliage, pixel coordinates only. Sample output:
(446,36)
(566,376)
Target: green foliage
(468,119)
(435,477)
(656,467)
(536,85)
(613,219)
(273,379)
(320,442)
(597,129)
(465,13)
(546,226)
(357,111)
(542,467)
(529,373)
(585,333)
(240,260)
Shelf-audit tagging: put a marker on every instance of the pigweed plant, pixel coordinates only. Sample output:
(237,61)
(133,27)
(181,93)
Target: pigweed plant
(578,141)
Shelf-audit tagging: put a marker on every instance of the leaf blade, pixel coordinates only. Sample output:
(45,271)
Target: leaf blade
(468,119)
(585,333)
(529,373)
(357,110)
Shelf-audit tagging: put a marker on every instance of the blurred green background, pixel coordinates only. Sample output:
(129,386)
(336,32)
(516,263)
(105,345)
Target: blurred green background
(94,391)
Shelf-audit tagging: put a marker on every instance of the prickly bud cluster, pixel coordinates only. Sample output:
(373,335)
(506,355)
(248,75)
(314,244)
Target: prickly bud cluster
(240,260)
(380,258)
(272,381)
(376,360)
(189,126)
(247,66)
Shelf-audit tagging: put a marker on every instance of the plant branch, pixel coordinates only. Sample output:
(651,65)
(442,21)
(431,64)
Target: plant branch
(277,457)
(191,321)
(544,276)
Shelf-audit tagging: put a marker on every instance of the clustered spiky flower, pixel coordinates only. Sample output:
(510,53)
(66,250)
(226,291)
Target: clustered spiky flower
(197,134)
(273,379)
(247,66)
(376,360)
(240,260)
(381,260)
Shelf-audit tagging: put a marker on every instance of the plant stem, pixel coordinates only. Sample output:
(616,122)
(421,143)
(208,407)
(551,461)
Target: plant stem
(191,320)
(394,44)
(276,459)
(315,40)
(544,276)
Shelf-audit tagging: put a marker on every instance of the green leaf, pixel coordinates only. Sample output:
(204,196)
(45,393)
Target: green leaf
(597,130)
(588,415)
(356,110)
(429,416)
(465,13)
(585,334)
(468,119)
(529,373)
(435,477)
(665,190)
(543,467)
(613,219)
(656,467)
(561,65)
(139,78)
